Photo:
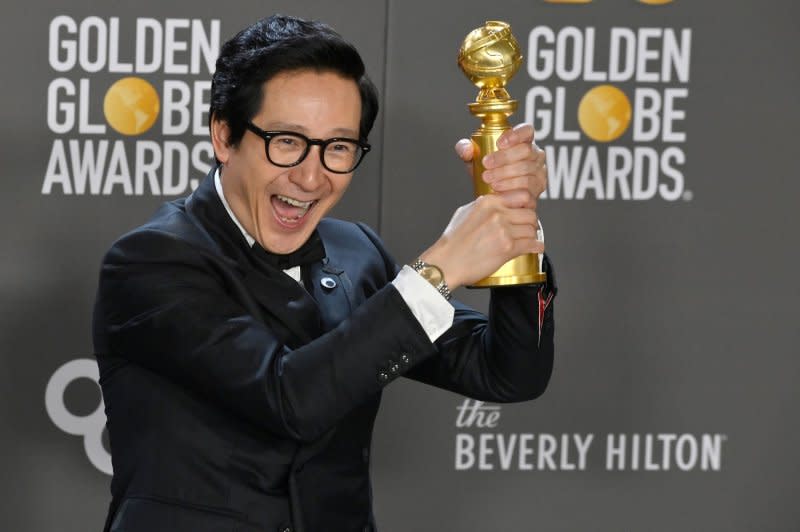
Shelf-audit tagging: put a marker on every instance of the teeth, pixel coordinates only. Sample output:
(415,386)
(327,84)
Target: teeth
(304,205)
(295,203)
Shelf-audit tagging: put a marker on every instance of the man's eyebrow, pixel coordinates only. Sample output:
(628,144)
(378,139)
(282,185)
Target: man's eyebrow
(287,126)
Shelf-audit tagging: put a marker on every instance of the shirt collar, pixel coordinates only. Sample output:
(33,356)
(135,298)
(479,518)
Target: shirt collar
(221,194)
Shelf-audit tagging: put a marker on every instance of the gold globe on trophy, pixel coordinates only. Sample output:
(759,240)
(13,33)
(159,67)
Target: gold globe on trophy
(489,57)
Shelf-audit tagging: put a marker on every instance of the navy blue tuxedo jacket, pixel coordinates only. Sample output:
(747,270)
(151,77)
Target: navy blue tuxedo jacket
(239,400)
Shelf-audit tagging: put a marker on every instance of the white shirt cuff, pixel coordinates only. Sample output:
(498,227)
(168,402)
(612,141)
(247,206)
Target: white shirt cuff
(430,308)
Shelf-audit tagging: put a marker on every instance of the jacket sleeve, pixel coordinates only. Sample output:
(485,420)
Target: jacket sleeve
(505,357)
(166,309)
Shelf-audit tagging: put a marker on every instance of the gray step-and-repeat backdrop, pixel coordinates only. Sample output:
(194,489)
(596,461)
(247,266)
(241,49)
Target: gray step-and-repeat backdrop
(671,133)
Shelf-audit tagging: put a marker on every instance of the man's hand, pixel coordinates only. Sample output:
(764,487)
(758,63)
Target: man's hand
(519,164)
(495,228)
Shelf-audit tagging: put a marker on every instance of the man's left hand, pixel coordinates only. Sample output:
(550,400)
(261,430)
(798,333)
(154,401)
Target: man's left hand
(517,169)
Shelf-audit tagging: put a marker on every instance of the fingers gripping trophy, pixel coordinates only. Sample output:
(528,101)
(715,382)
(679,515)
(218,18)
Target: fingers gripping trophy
(489,57)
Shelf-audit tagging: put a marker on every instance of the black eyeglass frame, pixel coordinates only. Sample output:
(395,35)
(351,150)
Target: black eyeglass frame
(323,144)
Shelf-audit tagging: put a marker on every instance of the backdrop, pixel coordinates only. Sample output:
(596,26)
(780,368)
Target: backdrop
(671,133)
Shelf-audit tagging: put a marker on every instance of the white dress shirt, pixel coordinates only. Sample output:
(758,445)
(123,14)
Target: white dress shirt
(430,308)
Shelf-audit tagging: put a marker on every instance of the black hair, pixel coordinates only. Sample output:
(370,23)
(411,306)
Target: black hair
(279,44)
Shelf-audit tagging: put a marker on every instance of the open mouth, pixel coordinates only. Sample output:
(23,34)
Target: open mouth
(291,212)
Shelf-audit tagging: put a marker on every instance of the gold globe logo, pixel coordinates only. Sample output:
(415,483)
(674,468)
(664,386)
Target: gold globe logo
(131,106)
(604,113)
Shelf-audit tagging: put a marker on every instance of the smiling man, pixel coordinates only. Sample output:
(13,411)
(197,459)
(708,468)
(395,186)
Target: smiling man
(280,201)
(244,339)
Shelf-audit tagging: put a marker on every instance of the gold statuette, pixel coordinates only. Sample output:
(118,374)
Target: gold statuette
(489,57)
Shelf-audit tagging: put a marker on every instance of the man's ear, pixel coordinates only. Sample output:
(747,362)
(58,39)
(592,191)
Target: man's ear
(220,133)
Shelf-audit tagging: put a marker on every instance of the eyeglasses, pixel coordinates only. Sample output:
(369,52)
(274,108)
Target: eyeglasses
(287,149)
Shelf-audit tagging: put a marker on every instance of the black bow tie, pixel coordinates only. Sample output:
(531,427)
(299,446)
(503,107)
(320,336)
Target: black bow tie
(311,251)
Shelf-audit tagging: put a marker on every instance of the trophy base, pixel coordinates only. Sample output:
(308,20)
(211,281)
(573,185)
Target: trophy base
(520,270)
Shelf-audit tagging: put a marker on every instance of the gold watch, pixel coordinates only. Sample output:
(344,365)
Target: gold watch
(432,274)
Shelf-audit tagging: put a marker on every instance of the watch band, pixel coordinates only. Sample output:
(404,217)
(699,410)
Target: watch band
(441,287)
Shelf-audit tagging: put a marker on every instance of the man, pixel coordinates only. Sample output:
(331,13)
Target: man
(244,340)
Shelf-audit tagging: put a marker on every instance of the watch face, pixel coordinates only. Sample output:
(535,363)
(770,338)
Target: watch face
(432,274)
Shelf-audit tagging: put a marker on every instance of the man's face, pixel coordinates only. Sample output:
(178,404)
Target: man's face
(279,206)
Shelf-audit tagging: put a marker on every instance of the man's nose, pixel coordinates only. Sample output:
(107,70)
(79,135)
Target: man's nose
(310,173)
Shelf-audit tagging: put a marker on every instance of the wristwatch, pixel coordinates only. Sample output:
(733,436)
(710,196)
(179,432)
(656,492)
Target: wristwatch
(432,274)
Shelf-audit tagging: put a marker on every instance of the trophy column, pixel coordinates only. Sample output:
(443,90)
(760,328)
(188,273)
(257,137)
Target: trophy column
(489,57)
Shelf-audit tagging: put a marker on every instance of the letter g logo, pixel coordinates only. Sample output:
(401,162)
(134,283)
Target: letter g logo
(90,426)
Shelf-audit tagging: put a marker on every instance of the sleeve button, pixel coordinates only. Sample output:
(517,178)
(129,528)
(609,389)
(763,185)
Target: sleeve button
(383,376)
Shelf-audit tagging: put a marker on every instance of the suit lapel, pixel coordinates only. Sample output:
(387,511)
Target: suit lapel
(205,207)
(287,303)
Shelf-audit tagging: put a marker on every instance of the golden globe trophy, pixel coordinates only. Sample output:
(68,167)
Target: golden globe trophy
(489,57)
